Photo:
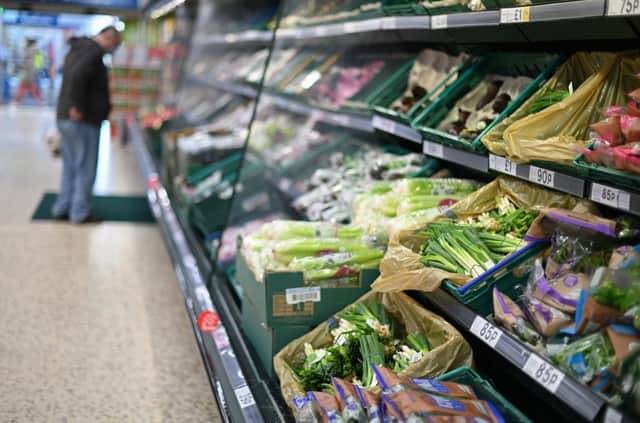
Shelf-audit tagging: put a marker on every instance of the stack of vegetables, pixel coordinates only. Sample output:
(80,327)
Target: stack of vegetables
(582,305)
(475,245)
(389,205)
(363,335)
(327,254)
(401,400)
(617,138)
(329,192)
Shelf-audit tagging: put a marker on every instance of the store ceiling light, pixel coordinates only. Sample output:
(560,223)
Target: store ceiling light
(165,8)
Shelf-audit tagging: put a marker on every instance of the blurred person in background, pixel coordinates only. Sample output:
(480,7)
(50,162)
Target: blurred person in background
(29,76)
(83,104)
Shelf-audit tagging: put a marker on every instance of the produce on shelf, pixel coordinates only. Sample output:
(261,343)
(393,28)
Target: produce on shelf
(465,5)
(388,207)
(482,105)
(327,254)
(556,133)
(342,82)
(582,299)
(228,246)
(502,210)
(373,329)
(330,192)
(427,76)
(617,138)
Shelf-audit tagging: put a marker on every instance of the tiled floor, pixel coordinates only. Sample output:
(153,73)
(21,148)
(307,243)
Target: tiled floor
(92,323)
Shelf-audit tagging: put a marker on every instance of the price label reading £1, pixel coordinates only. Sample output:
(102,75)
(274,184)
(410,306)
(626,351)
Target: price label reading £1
(486,331)
(502,165)
(543,373)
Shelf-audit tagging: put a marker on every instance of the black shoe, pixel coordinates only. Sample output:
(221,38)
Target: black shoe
(64,216)
(92,218)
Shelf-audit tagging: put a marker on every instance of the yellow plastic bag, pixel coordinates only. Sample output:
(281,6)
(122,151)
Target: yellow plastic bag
(558,132)
(449,349)
(401,270)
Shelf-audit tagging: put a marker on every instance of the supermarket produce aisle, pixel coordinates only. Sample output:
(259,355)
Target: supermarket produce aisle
(92,323)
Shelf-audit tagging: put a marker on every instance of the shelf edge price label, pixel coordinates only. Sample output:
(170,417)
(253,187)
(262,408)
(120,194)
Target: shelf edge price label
(610,196)
(542,176)
(389,23)
(486,331)
(543,373)
(433,149)
(515,15)
(386,125)
(612,416)
(503,165)
(623,7)
(439,21)
(245,397)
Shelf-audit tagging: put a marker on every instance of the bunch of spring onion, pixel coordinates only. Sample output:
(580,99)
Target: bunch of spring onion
(464,249)
(363,335)
(505,219)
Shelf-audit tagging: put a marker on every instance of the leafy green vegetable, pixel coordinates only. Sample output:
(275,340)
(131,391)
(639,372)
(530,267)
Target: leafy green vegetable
(548,98)
(321,364)
(372,351)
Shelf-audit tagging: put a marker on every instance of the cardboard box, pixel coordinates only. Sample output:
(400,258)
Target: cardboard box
(283,299)
(267,341)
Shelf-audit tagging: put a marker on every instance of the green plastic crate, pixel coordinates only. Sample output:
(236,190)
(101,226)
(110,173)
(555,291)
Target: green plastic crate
(506,276)
(403,8)
(606,174)
(485,391)
(459,8)
(395,86)
(362,101)
(226,166)
(539,66)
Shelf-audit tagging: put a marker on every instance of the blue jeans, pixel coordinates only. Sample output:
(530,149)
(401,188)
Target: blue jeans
(80,141)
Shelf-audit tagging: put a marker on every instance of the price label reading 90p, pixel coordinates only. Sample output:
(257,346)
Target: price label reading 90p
(623,7)
(542,176)
(543,373)
(486,331)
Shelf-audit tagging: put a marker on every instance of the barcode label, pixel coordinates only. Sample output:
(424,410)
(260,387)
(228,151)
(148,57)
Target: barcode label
(245,397)
(302,295)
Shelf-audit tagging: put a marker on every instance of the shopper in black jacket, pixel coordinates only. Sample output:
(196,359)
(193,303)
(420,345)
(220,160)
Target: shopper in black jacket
(82,107)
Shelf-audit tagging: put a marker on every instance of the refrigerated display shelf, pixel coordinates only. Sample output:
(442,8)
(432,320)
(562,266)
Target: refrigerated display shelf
(566,11)
(564,388)
(229,381)
(238,39)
